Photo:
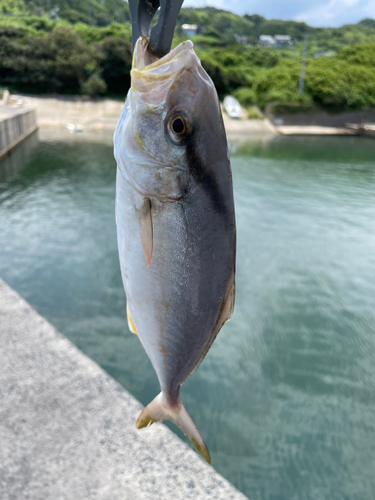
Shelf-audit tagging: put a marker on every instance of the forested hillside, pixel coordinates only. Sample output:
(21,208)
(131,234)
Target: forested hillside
(96,12)
(88,51)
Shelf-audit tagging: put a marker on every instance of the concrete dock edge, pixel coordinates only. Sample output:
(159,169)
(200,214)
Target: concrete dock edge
(67,428)
(15,126)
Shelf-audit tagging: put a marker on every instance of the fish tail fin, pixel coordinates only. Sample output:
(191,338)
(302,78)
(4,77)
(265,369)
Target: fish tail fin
(158,411)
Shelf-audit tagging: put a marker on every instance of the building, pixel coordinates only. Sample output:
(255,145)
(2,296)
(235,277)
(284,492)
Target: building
(189,30)
(322,53)
(241,39)
(267,41)
(283,41)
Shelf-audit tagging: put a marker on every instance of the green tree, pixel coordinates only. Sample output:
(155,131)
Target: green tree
(94,85)
(12,6)
(116,60)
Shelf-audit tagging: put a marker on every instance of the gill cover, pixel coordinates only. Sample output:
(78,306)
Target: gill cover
(151,128)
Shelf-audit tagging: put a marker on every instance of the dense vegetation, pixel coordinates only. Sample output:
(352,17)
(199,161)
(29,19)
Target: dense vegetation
(98,12)
(88,51)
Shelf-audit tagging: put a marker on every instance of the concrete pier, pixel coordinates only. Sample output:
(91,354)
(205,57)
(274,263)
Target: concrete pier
(15,125)
(67,428)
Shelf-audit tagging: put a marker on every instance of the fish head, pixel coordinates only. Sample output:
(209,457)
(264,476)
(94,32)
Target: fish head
(172,104)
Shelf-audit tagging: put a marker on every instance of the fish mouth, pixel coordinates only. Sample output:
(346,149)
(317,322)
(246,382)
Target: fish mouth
(148,71)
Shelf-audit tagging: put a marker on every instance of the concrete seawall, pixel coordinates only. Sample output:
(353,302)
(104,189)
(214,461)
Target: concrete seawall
(67,428)
(15,125)
(102,114)
(322,118)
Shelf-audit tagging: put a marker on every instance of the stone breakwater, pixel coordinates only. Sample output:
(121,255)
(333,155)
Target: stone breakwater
(15,125)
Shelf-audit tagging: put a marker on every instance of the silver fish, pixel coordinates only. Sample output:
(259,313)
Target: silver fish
(175,221)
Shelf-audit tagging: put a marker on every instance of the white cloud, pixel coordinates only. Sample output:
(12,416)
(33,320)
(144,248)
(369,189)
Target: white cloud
(329,13)
(219,4)
(203,3)
(314,12)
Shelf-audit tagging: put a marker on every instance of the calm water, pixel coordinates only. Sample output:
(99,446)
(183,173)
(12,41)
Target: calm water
(285,399)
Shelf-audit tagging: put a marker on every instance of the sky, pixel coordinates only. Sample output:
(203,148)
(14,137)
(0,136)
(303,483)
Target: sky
(313,12)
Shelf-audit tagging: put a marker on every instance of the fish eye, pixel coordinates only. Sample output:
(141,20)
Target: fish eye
(178,125)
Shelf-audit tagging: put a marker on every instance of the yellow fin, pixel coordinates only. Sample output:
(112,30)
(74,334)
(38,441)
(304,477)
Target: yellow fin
(145,229)
(158,410)
(131,324)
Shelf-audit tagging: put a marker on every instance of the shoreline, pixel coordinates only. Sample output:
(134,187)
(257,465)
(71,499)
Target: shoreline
(81,114)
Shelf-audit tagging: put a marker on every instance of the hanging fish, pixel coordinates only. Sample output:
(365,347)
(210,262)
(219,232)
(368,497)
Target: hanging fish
(175,221)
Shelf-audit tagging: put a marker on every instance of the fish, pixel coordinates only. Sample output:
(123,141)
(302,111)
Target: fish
(175,218)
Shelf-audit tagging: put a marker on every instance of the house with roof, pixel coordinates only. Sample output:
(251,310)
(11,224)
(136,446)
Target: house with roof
(189,30)
(278,41)
(267,41)
(283,41)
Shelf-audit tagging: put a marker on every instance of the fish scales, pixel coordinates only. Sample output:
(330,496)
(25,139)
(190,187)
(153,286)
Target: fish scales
(175,221)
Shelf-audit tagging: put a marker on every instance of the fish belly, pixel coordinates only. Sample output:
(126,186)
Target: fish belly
(174,303)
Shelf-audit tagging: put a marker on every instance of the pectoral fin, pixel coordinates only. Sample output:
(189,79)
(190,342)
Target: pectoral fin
(145,229)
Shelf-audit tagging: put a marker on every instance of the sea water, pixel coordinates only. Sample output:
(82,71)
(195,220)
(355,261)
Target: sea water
(285,398)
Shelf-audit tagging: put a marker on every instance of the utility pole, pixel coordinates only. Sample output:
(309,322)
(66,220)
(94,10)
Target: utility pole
(303,66)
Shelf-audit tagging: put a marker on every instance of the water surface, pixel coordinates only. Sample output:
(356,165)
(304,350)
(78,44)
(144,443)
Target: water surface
(285,398)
